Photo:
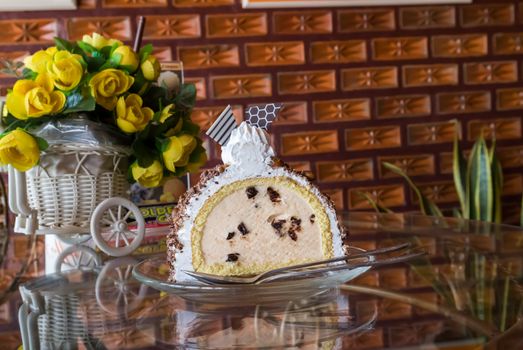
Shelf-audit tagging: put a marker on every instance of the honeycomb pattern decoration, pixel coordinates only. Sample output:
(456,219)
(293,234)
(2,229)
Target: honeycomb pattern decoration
(262,115)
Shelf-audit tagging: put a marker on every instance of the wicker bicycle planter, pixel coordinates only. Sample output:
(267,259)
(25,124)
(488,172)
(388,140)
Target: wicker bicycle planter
(71,180)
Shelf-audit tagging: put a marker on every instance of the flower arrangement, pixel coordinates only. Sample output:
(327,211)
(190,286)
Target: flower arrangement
(113,84)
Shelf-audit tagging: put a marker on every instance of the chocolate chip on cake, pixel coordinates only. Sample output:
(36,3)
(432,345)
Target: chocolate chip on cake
(232,257)
(243,230)
(273,195)
(251,192)
(230,235)
(278,226)
(312,218)
(292,235)
(295,224)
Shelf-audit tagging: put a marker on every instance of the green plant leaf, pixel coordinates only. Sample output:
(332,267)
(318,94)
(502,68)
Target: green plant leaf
(86,47)
(521,214)
(186,98)
(481,191)
(427,207)
(62,44)
(145,51)
(42,144)
(29,74)
(79,101)
(143,153)
(377,207)
(459,167)
(497,183)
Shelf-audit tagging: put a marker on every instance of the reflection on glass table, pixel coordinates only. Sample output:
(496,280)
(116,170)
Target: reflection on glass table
(466,294)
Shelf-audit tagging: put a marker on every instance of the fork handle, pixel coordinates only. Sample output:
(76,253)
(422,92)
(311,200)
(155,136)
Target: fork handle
(338,259)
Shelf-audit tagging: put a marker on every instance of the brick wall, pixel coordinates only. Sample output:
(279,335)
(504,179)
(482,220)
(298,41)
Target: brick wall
(360,85)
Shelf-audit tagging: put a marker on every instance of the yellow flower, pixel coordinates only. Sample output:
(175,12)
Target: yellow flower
(130,116)
(129,58)
(151,176)
(151,68)
(19,149)
(107,85)
(166,113)
(178,151)
(199,162)
(33,99)
(38,61)
(66,70)
(98,41)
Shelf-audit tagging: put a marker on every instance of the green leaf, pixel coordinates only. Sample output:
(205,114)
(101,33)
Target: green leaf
(86,47)
(80,101)
(497,183)
(481,182)
(143,153)
(427,207)
(42,144)
(29,74)
(162,144)
(186,98)
(377,207)
(459,166)
(145,51)
(521,215)
(62,44)
(190,128)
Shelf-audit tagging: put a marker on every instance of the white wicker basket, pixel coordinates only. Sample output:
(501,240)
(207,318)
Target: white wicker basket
(70,181)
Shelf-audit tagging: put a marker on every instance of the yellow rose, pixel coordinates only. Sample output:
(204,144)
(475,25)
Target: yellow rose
(129,58)
(66,70)
(151,176)
(151,68)
(99,41)
(166,113)
(178,151)
(33,99)
(19,149)
(107,85)
(39,60)
(130,116)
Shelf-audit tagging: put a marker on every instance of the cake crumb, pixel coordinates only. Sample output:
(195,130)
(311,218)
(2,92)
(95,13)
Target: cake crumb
(273,195)
(233,257)
(251,192)
(243,230)
(292,235)
(278,225)
(312,218)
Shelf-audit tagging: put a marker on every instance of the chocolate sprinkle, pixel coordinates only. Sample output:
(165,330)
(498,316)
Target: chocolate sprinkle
(232,257)
(295,224)
(278,225)
(251,192)
(312,218)
(273,195)
(292,235)
(230,235)
(243,230)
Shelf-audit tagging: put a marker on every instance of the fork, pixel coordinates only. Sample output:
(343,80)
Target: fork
(294,270)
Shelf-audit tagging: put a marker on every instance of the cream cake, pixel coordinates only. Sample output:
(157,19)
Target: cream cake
(251,214)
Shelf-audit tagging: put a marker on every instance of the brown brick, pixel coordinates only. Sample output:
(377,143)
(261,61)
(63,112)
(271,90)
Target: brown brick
(412,165)
(501,128)
(345,170)
(387,196)
(512,184)
(490,72)
(430,75)
(86,4)
(303,22)
(274,53)
(292,113)
(173,26)
(300,166)
(201,88)
(249,85)
(311,142)
(341,110)
(112,27)
(338,51)
(373,137)
(363,20)
(236,25)
(208,56)
(336,195)
(403,48)
(402,106)
(509,98)
(510,157)
(392,309)
(508,43)
(373,339)
(393,277)
(200,3)
(306,82)
(369,78)
(463,102)
(445,163)
(427,133)
(163,53)
(427,17)
(27,31)
(437,191)
(482,15)
(205,116)
(134,3)
(462,45)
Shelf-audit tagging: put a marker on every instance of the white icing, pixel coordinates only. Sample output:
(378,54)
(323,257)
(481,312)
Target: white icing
(248,150)
(248,154)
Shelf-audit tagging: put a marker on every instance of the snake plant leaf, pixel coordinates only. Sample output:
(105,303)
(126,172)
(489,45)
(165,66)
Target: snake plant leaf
(377,207)
(459,167)
(427,207)
(521,216)
(497,183)
(480,175)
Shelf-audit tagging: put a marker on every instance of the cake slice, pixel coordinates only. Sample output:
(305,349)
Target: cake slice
(251,214)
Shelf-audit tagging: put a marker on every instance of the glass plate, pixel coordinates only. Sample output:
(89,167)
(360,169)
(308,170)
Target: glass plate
(154,272)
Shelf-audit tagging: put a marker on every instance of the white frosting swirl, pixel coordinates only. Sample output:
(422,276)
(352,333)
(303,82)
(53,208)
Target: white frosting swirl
(248,149)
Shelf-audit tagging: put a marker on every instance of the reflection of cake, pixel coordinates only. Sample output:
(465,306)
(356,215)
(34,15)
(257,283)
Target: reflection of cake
(252,214)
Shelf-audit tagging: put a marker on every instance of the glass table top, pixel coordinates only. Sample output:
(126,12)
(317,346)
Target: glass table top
(466,294)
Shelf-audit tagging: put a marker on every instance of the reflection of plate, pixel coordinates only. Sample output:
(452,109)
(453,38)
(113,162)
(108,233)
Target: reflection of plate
(155,271)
